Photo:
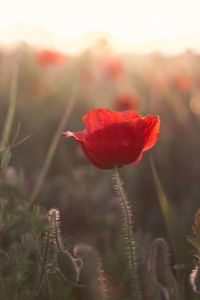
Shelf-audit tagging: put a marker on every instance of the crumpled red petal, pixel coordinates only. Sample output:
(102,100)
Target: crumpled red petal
(98,118)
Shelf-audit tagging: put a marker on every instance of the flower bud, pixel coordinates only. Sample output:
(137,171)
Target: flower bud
(69,266)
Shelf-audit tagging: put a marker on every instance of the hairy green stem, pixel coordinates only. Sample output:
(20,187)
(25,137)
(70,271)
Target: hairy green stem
(56,232)
(51,151)
(128,234)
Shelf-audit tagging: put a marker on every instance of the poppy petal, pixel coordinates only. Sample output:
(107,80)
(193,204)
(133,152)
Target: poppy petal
(116,138)
(98,118)
(151,132)
(136,161)
(116,143)
(78,136)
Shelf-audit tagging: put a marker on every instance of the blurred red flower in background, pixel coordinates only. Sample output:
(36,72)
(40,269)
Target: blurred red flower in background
(46,57)
(87,76)
(113,67)
(126,101)
(116,138)
(182,82)
(198,83)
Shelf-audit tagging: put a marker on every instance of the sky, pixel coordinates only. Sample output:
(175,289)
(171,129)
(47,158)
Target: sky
(129,22)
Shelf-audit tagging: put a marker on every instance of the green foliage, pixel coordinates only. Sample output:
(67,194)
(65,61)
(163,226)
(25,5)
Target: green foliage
(22,256)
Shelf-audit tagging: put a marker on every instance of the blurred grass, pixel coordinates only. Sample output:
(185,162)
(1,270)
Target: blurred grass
(11,110)
(56,173)
(52,150)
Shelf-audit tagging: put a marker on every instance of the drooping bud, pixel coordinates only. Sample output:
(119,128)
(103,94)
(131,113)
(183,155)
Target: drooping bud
(69,266)
(82,250)
(160,270)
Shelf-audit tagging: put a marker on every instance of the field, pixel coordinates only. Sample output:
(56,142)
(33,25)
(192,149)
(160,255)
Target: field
(61,229)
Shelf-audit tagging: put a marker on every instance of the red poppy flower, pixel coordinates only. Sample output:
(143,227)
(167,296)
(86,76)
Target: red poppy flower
(126,101)
(116,138)
(46,57)
(182,82)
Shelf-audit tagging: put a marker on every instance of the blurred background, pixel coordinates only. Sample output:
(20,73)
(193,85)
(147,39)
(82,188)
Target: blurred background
(122,55)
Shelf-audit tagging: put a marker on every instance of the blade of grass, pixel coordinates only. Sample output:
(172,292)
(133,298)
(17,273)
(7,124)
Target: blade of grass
(44,260)
(164,206)
(51,152)
(11,109)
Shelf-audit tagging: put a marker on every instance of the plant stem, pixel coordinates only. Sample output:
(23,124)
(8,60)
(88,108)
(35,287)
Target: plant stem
(56,231)
(165,208)
(51,151)
(11,110)
(128,233)
(44,258)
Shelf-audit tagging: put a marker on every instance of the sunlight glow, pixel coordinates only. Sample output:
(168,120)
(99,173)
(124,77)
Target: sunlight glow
(129,21)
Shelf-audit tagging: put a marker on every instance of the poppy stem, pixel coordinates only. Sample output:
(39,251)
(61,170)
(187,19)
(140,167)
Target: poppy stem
(128,232)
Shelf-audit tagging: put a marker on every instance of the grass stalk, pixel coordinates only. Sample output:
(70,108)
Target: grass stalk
(128,233)
(51,152)
(164,206)
(11,110)
(45,257)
